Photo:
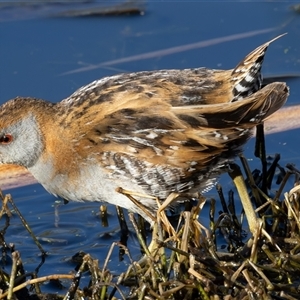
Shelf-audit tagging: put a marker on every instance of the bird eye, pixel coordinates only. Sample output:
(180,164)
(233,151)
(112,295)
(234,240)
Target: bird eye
(6,139)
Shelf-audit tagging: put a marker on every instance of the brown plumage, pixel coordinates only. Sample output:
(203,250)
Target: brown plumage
(153,132)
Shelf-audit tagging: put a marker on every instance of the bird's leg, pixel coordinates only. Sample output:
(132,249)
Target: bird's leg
(153,246)
(130,195)
(161,216)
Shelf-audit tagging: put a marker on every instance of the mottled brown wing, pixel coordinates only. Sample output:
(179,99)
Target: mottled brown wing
(155,128)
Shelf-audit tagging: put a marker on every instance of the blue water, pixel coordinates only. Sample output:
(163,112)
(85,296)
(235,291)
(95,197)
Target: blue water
(36,51)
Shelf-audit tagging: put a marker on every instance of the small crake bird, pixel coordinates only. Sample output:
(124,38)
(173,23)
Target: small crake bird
(153,133)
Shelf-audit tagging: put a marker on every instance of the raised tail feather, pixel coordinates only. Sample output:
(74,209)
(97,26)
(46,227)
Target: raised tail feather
(246,76)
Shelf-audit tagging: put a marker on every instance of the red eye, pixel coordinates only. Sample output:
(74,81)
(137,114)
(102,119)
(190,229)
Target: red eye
(6,139)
